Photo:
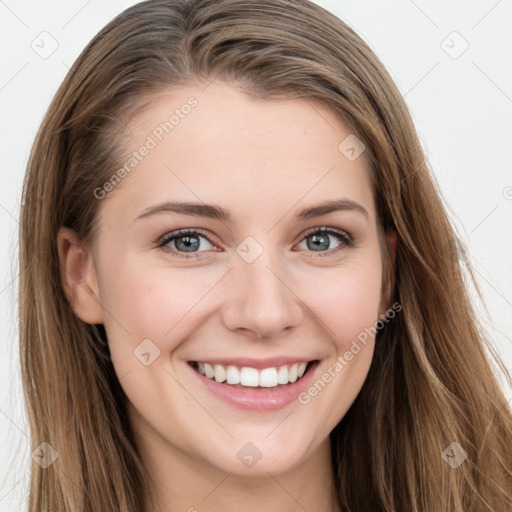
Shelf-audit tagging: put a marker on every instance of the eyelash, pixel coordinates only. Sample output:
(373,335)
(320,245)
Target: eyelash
(345,239)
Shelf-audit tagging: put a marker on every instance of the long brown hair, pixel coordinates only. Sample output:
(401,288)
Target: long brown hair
(431,382)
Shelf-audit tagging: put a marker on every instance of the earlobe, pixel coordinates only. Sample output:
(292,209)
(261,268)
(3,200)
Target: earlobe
(78,276)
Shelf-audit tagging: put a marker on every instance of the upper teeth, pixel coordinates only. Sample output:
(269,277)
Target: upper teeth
(267,378)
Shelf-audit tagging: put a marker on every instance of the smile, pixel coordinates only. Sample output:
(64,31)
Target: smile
(267,388)
(252,377)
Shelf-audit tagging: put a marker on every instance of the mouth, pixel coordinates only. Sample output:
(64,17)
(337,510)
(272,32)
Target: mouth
(248,378)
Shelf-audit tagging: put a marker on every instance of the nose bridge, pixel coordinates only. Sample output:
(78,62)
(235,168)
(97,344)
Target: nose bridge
(260,297)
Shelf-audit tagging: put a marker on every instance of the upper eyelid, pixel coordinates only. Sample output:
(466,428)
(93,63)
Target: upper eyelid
(326,229)
(184,231)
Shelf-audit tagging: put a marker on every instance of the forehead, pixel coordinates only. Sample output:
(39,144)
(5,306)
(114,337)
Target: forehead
(215,144)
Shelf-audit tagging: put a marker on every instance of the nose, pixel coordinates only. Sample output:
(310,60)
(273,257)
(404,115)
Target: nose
(259,300)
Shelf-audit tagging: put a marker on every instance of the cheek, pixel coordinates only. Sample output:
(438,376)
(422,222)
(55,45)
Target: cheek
(145,301)
(346,299)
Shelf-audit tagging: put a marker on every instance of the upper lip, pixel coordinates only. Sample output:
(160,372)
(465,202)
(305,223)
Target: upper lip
(259,364)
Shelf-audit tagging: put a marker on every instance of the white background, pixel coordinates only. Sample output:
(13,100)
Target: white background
(462,108)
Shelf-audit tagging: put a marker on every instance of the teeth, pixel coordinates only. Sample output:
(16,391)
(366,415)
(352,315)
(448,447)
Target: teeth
(251,377)
(208,371)
(293,374)
(282,375)
(232,375)
(268,378)
(219,373)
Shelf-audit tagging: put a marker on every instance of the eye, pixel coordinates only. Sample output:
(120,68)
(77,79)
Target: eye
(185,241)
(319,240)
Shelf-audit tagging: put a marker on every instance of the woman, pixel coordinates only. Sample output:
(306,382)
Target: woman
(239,286)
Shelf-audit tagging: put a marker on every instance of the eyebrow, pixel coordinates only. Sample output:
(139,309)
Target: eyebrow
(219,213)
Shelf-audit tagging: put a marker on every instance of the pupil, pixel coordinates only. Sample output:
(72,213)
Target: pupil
(319,242)
(189,243)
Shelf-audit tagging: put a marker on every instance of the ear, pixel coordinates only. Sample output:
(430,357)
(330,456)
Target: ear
(78,277)
(391,239)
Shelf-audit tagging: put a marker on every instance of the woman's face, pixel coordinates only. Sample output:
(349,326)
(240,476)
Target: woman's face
(257,287)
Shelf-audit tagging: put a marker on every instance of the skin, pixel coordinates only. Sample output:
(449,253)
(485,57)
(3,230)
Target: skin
(263,161)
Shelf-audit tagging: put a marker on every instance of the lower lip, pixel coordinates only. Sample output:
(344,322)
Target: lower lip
(259,400)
